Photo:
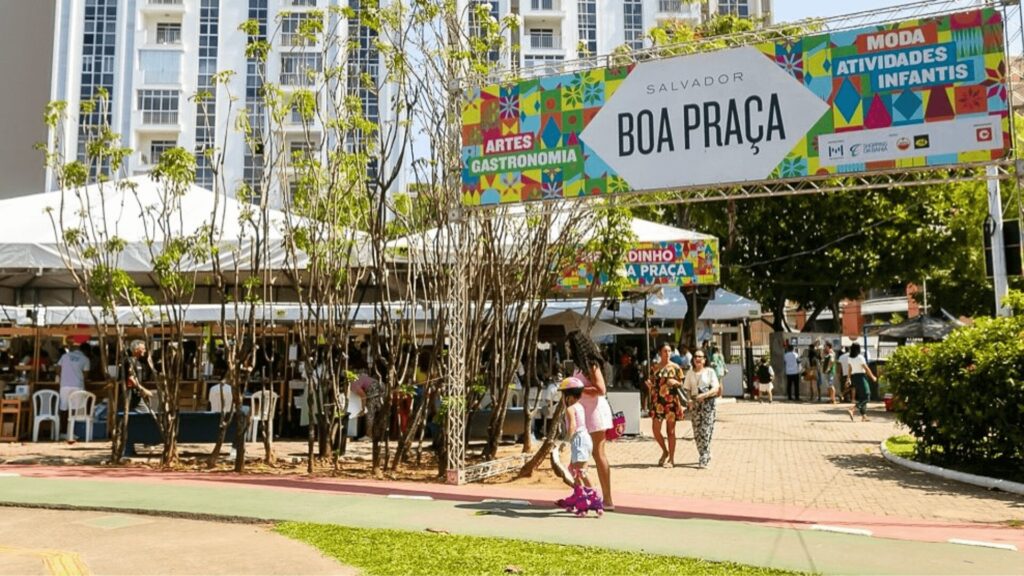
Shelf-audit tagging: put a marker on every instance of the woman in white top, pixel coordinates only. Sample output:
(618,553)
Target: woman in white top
(701,385)
(857,373)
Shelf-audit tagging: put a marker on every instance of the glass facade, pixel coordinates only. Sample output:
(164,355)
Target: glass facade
(586,17)
(160,66)
(206,110)
(159,106)
(99,45)
(252,169)
(633,23)
(739,8)
(363,69)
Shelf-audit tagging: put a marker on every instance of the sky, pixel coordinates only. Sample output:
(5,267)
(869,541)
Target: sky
(790,10)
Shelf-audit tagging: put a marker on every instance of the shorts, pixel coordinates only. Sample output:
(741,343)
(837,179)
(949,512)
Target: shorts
(581,446)
(765,387)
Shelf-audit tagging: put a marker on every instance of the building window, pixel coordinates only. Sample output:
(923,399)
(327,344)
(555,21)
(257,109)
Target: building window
(735,7)
(476,29)
(206,109)
(303,2)
(168,33)
(157,149)
(542,4)
(633,23)
(541,64)
(300,69)
(99,40)
(158,106)
(544,38)
(587,17)
(160,66)
(670,6)
(291,29)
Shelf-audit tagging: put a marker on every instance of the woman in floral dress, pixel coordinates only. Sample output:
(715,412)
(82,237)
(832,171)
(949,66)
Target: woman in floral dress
(667,404)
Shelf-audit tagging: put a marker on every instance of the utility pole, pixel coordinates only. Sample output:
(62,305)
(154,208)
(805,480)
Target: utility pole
(995,229)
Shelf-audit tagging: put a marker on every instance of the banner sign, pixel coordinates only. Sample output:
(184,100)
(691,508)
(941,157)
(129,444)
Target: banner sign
(919,93)
(682,263)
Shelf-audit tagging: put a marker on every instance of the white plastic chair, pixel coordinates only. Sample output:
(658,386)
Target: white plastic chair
(263,405)
(44,409)
(298,388)
(355,408)
(81,405)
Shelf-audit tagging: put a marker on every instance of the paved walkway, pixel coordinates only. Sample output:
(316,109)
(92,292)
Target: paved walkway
(780,473)
(381,505)
(62,542)
(801,456)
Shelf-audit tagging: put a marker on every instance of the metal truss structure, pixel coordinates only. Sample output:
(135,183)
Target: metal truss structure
(485,470)
(1005,169)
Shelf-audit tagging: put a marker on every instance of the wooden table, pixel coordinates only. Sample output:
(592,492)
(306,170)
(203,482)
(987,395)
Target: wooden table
(15,417)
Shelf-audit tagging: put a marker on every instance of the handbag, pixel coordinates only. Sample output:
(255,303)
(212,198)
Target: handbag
(618,427)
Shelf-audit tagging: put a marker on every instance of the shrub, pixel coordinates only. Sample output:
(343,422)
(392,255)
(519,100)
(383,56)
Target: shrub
(963,398)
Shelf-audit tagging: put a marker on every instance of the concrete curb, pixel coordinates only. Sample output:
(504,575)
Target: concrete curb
(981,481)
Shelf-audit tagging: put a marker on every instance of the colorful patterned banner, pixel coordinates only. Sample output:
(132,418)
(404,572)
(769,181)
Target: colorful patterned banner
(920,93)
(682,263)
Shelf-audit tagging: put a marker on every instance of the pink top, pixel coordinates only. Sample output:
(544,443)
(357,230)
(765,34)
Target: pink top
(596,407)
(580,415)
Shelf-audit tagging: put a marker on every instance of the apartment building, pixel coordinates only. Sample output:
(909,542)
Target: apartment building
(26,53)
(559,30)
(153,56)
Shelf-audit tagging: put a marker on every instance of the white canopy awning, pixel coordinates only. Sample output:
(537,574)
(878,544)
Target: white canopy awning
(29,240)
(729,306)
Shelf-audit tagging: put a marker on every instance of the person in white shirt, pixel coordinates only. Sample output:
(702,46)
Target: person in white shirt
(221,397)
(72,368)
(844,375)
(792,373)
(859,372)
(701,385)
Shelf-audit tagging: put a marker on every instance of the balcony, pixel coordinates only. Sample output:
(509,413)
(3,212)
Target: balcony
(543,42)
(677,9)
(547,11)
(160,67)
(157,122)
(163,7)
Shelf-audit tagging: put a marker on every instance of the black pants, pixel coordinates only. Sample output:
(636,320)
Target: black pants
(793,386)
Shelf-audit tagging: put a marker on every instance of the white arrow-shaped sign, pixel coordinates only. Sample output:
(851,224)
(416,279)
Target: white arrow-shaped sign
(727,116)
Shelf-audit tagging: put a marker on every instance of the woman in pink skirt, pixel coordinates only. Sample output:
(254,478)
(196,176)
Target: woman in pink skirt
(590,369)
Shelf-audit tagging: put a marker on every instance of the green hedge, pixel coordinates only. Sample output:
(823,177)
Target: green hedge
(963,398)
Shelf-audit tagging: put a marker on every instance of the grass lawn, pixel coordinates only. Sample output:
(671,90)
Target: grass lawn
(904,445)
(379,552)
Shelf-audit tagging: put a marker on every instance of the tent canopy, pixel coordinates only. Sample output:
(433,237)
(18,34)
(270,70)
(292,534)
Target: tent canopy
(438,241)
(29,240)
(920,327)
(729,306)
(571,320)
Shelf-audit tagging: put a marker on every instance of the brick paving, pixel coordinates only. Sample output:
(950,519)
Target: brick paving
(800,455)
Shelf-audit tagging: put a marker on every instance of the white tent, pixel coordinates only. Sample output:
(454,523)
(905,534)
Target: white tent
(434,241)
(729,306)
(572,320)
(29,240)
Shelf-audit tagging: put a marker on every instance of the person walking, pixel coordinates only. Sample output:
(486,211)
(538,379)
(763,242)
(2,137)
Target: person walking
(765,379)
(828,366)
(813,374)
(792,373)
(665,392)
(701,385)
(590,367)
(859,372)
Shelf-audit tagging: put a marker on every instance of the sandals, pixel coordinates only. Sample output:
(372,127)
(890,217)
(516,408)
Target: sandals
(669,464)
(664,458)
(850,412)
